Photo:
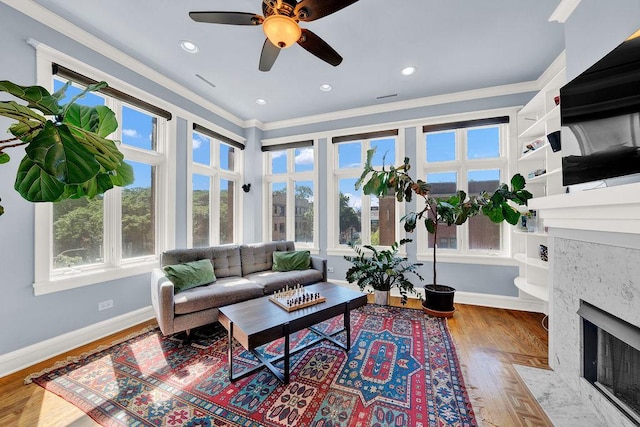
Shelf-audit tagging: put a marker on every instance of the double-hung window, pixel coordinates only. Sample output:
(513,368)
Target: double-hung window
(290,193)
(467,156)
(357,218)
(116,234)
(215,188)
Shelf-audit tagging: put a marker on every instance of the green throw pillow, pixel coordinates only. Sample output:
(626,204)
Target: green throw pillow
(294,260)
(190,275)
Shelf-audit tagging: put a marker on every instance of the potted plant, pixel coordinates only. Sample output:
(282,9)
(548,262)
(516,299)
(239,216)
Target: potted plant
(68,155)
(452,210)
(382,270)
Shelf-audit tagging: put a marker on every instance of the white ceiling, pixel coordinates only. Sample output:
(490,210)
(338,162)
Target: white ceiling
(456,45)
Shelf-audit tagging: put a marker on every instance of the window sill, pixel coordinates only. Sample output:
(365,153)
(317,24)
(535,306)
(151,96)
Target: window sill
(64,282)
(482,259)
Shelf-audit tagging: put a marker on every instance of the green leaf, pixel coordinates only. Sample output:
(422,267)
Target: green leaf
(25,131)
(510,214)
(35,185)
(82,117)
(56,151)
(105,150)
(430,225)
(4,158)
(90,88)
(22,114)
(123,175)
(517,182)
(59,94)
(36,96)
(494,213)
(107,122)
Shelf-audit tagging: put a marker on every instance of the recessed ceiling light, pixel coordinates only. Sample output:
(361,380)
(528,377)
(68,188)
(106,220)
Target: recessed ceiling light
(407,71)
(326,87)
(189,46)
(261,101)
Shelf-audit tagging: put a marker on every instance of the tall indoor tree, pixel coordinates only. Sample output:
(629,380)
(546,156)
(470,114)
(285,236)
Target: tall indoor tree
(68,154)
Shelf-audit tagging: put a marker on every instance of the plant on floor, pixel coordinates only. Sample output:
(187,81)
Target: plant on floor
(453,210)
(382,270)
(68,155)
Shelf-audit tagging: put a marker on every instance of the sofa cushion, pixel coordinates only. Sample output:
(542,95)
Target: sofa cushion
(259,256)
(224,291)
(276,280)
(225,258)
(293,260)
(190,275)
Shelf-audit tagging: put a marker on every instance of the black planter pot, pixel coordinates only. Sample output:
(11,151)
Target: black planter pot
(439,300)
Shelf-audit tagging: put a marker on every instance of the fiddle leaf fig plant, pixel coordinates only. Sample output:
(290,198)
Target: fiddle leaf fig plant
(453,210)
(68,154)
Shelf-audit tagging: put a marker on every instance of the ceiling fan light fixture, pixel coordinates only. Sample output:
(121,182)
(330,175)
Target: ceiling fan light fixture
(188,46)
(407,71)
(281,30)
(326,87)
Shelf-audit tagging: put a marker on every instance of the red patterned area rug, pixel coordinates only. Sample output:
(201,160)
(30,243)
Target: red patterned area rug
(402,370)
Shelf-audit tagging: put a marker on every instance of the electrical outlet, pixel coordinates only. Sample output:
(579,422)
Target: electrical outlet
(105,305)
(330,270)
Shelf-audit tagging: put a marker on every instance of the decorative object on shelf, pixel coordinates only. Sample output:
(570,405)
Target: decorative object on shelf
(532,222)
(452,210)
(536,172)
(533,146)
(543,252)
(556,99)
(246,187)
(382,270)
(295,298)
(554,141)
(68,155)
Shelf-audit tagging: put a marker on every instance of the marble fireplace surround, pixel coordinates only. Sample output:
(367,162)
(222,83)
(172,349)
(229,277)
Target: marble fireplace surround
(594,256)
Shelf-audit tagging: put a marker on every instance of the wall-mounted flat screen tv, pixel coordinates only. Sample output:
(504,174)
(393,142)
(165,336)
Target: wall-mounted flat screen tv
(600,116)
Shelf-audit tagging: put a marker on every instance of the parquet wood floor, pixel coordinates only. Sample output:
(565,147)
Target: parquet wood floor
(488,342)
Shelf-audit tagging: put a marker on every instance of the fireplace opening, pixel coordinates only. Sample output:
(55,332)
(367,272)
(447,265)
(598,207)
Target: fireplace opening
(611,358)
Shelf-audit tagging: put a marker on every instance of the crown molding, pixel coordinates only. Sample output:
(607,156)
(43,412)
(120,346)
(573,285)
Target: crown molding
(532,86)
(564,11)
(253,123)
(61,25)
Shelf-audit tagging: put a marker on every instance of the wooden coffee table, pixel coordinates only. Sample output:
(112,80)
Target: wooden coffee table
(259,321)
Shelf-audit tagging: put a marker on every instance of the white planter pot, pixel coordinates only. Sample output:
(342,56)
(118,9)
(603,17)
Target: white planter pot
(381,297)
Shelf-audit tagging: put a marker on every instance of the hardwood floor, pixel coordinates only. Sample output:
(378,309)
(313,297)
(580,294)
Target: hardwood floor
(488,342)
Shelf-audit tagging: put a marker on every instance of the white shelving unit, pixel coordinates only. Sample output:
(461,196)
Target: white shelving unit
(537,119)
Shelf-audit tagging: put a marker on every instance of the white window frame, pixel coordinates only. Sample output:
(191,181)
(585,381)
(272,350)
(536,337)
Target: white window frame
(289,179)
(333,230)
(215,173)
(48,280)
(462,166)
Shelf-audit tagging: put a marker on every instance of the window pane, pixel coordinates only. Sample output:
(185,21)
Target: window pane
(304,211)
(383,220)
(304,159)
(279,211)
(227,157)
(385,152)
(138,213)
(484,234)
(349,155)
(279,162)
(443,184)
(201,149)
(350,213)
(227,210)
(78,232)
(483,143)
(201,210)
(441,147)
(138,129)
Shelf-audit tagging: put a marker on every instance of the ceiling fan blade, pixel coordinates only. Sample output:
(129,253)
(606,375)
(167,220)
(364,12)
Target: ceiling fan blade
(231,18)
(310,10)
(268,56)
(319,48)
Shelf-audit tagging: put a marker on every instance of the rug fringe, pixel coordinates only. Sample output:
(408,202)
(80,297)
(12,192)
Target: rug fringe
(72,359)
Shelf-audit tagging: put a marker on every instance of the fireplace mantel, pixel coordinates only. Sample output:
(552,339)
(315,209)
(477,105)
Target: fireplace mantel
(611,209)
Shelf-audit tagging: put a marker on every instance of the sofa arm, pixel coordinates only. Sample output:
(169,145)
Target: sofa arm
(320,264)
(162,300)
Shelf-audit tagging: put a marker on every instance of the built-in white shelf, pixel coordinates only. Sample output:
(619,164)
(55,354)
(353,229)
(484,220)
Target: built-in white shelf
(538,291)
(537,154)
(531,261)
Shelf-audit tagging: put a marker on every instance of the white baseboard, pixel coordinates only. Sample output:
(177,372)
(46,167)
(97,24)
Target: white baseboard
(484,300)
(28,356)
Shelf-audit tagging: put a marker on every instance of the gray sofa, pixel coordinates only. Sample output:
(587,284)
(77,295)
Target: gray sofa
(242,272)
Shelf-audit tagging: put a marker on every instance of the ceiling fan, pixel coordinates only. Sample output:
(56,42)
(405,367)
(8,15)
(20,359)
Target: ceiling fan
(280,25)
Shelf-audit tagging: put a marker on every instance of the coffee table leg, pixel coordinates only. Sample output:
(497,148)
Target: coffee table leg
(286,353)
(347,324)
(230,351)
